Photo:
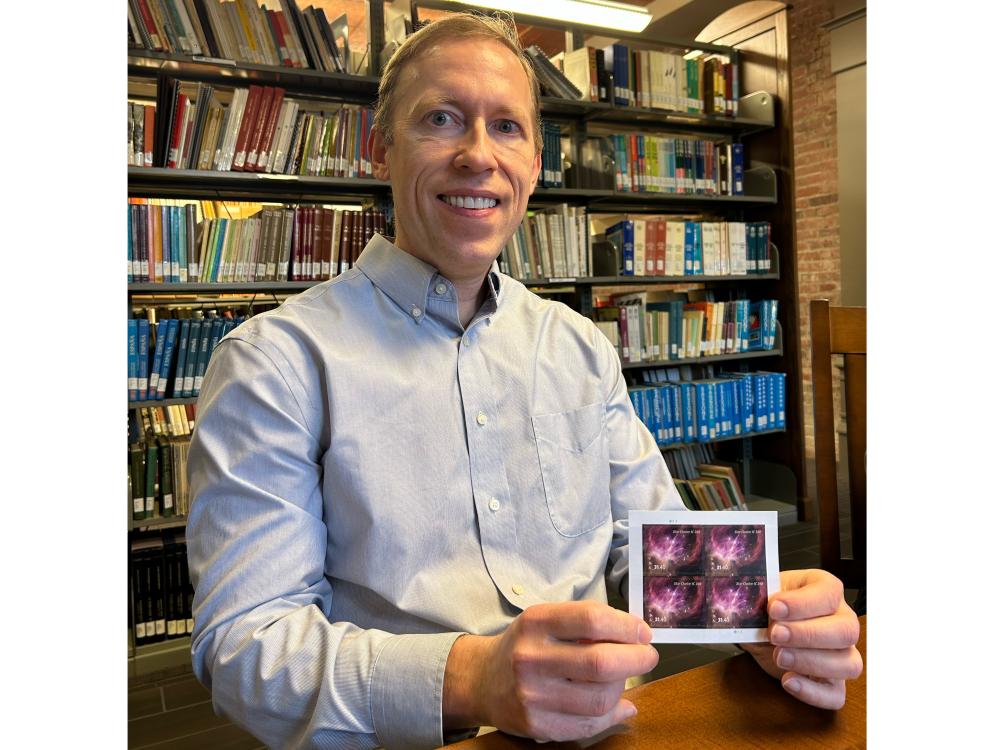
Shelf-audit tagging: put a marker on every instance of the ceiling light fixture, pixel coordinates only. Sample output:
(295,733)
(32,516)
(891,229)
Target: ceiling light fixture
(600,13)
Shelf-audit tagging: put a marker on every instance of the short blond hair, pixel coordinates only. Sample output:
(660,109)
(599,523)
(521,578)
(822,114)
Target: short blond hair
(497,27)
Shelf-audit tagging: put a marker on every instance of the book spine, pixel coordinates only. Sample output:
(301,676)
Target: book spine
(133,360)
(168,357)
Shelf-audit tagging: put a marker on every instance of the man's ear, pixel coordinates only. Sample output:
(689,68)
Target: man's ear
(535,169)
(378,151)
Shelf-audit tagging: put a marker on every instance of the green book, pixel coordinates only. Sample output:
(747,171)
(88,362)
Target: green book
(151,470)
(166,477)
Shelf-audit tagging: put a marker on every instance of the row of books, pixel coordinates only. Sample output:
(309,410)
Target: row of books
(169,420)
(715,488)
(278,243)
(730,405)
(157,478)
(243,31)
(675,164)
(169,359)
(651,326)
(653,79)
(248,129)
(160,589)
(551,174)
(550,243)
(654,246)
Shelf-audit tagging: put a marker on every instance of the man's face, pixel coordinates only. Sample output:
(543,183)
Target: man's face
(462,162)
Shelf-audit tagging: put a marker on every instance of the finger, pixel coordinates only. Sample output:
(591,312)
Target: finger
(805,594)
(820,693)
(597,662)
(576,621)
(546,725)
(833,632)
(839,664)
(577,698)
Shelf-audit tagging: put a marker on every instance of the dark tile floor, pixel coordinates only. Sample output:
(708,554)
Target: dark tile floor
(176,713)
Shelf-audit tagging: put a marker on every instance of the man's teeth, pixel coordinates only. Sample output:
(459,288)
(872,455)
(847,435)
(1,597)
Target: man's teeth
(460,201)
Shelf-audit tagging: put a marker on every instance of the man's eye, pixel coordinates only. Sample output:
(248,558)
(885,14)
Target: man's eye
(440,118)
(507,126)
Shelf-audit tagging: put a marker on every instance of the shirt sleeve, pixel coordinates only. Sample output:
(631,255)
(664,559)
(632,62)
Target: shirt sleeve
(640,479)
(278,662)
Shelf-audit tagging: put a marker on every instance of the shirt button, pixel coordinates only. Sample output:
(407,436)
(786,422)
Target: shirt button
(416,312)
(481,419)
(440,288)
(494,504)
(517,589)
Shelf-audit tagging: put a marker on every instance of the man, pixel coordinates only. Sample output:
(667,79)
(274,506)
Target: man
(412,482)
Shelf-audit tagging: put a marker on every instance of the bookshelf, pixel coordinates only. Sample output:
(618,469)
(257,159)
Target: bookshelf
(764,198)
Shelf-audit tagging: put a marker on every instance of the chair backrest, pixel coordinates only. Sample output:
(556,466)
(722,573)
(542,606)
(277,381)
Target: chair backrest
(840,330)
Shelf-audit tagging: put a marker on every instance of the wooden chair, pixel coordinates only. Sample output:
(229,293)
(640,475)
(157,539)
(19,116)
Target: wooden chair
(840,330)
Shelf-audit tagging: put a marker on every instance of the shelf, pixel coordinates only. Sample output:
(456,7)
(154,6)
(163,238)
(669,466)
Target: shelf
(744,436)
(150,658)
(162,402)
(145,524)
(220,287)
(612,200)
(188,183)
(715,359)
(144,63)
(644,280)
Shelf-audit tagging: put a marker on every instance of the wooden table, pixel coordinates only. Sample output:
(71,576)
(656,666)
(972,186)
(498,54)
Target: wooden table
(726,704)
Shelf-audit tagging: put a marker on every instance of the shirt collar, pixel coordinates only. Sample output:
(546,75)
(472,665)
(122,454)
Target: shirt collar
(409,281)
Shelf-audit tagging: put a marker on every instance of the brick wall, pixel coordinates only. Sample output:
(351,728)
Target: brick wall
(814,149)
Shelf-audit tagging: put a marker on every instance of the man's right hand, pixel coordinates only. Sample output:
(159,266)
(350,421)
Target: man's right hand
(556,673)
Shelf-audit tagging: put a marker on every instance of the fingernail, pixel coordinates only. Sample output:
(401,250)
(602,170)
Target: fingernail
(632,712)
(645,633)
(779,611)
(780,634)
(785,659)
(793,685)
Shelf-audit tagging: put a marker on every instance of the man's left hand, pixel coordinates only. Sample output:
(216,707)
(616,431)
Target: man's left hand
(812,636)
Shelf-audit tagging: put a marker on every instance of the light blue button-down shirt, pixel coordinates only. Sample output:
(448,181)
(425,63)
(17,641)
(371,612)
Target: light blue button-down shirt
(371,480)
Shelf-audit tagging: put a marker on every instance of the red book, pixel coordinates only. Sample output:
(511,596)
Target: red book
(180,111)
(279,34)
(727,72)
(267,139)
(260,125)
(150,24)
(247,126)
(290,39)
(344,242)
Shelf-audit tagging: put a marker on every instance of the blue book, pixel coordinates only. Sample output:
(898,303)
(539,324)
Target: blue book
(737,164)
(621,54)
(702,395)
(698,254)
(760,410)
(168,358)
(689,248)
(142,354)
(781,379)
(217,325)
(217,250)
(772,400)
(194,347)
(689,416)
(204,351)
(154,371)
(133,360)
(633,396)
(640,149)
(182,353)
(677,412)
(699,166)
(622,235)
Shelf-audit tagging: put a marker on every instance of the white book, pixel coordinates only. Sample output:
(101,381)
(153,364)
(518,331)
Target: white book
(639,246)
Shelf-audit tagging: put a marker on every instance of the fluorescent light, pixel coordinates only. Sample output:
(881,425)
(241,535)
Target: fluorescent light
(600,13)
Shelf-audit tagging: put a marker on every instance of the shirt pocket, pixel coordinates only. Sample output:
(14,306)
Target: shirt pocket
(576,473)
